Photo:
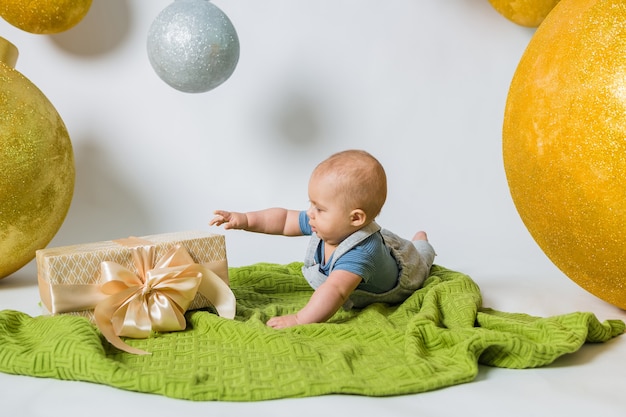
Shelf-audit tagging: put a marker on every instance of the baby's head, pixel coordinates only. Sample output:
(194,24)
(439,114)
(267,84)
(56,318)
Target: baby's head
(359,180)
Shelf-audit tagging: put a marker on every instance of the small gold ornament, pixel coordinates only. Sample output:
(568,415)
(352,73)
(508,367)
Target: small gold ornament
(36,167)
(529,13)
(564,143)
(44,16)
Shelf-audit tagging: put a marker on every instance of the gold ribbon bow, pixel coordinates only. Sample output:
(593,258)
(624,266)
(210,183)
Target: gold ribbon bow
(156,298)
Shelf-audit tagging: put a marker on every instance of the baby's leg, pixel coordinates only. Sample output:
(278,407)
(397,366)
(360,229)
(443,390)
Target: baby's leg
(425,250)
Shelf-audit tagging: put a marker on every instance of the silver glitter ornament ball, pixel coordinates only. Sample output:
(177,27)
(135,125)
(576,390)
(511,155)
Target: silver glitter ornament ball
(193,46)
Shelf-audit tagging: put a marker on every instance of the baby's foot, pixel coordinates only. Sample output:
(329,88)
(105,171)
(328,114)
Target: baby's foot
(421,235)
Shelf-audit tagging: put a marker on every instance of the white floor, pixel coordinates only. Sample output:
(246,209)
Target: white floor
(588,382)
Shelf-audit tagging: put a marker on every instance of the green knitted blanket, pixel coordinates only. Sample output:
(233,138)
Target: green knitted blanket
(434,339)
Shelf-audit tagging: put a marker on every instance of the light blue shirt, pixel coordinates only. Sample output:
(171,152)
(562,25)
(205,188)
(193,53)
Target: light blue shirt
(371,260)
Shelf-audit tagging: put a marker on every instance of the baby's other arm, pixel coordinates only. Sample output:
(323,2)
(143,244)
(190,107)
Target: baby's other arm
(324,303)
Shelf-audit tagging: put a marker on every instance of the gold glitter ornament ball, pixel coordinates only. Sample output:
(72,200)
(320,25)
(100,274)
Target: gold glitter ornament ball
(36,167)
(529,13)
(564,143)
(44,16)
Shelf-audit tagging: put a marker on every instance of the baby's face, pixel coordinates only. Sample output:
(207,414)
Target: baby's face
(329,217)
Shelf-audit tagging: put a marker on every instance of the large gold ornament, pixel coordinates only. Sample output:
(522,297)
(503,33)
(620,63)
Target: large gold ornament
(44,16)
(564,143)
(528,13)
(36,167)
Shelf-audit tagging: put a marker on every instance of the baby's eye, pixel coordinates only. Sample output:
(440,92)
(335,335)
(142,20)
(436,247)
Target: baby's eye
(315,208)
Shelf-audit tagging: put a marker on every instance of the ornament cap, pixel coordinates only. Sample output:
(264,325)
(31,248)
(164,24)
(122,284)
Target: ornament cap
(8,53)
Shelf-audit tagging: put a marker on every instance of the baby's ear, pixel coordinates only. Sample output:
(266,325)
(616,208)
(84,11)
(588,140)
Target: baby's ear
(358,218)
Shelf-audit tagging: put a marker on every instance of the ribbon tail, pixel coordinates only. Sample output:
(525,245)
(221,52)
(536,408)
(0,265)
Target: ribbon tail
(218,293)
(102,314)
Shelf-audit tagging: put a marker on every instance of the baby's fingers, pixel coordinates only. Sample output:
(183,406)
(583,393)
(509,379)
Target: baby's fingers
(218,220)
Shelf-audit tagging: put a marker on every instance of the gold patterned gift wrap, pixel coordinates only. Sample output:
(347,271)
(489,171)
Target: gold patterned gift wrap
(133,286)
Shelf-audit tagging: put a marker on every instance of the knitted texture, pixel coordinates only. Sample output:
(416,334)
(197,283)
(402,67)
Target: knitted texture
(434,339)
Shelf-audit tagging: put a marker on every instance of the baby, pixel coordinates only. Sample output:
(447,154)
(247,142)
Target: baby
(350,261)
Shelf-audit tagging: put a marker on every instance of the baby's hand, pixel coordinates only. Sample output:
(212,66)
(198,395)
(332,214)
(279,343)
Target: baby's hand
(229,220)
(282,322)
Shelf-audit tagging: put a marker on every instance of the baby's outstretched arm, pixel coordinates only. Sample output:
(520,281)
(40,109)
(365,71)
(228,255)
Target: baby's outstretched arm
(272,221)
(324,303)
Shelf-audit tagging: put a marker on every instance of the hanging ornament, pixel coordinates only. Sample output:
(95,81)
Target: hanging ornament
(193,46)
(44,16)
(36,167)
(564,143)
(528,13)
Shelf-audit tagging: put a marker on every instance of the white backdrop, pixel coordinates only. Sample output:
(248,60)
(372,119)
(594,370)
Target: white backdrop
(420,84)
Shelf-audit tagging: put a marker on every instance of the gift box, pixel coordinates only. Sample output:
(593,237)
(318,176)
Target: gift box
(69,276)
(132,286)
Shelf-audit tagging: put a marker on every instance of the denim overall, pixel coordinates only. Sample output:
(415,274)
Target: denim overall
(414,260)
